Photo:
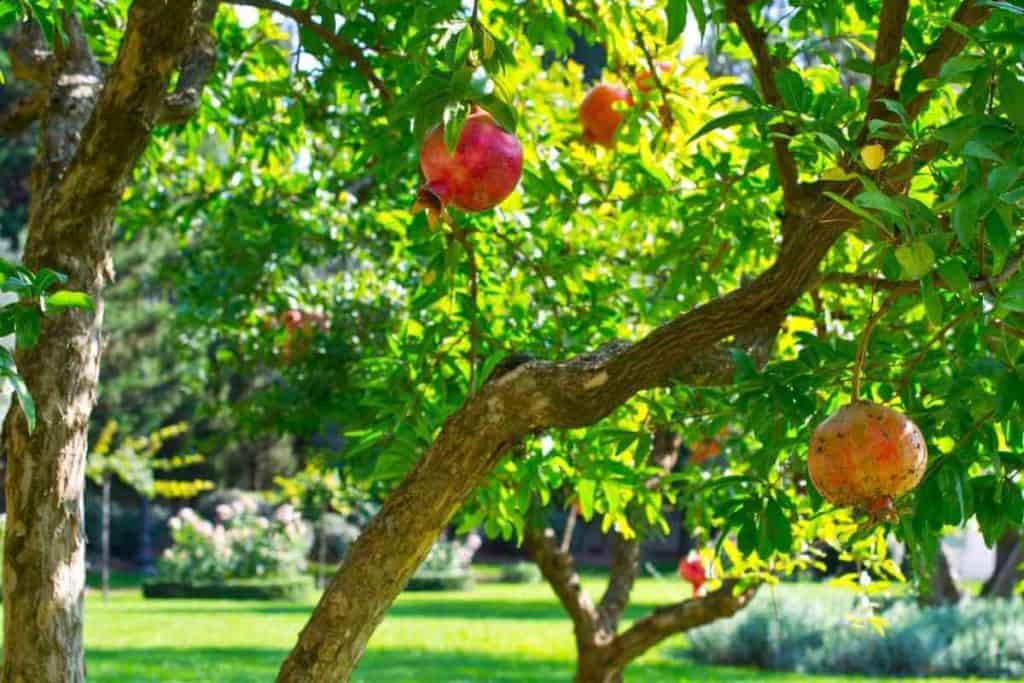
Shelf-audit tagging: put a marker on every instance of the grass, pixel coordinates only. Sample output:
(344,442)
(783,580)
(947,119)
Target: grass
(500,633)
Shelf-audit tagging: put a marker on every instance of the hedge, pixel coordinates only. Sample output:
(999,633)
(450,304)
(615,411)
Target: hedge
(440,581)
(294,588)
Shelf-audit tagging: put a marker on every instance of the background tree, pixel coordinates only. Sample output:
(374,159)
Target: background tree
(134,462)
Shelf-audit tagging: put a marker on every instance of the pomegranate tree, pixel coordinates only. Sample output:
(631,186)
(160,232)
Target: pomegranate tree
(478,175)
(600,115)
(865,455)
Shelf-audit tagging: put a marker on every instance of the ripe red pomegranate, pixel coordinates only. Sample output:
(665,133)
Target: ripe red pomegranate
(644,79)
(598,113)
(865,455)
(482,172)
(691,570)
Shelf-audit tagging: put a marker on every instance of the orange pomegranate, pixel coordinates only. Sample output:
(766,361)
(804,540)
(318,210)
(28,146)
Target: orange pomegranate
(599,115)
(865,454)
(644,79)
(691,570)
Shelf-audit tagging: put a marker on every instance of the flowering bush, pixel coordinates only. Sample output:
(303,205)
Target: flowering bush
(241,544)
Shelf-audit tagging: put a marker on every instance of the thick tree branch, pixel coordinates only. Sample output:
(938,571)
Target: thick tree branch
(756,39)
(557,567)
(622,572)
(891,22)
(197,66)
(683,616)
(341,47)
(534,396)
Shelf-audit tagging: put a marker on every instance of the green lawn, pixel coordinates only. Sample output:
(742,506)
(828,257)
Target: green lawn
(493,633)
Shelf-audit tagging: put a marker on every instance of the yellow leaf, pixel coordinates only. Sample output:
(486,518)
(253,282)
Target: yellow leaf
(872,156)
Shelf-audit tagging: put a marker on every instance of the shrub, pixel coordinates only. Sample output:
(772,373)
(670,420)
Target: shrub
(792,632)
(446,566)
(520,572)
(242,544)
(286,588)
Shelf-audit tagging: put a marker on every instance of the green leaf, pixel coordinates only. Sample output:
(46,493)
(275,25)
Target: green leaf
(69,299)
(916,259)
(728,120)
(460,50)
(1000,4)
(28,406)
(966,212)
(778,527)
(585,495)
(675,16)
(791,88)
(700,13)
(455,116)
(502,112)
(1009,391)
(954,274)
(854,209)
(932,301)
(1011,96)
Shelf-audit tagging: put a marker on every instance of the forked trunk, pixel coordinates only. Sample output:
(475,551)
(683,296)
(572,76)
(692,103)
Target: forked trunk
(592,667)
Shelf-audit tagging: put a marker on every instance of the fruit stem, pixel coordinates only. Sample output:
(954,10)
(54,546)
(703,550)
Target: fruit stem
(862,348)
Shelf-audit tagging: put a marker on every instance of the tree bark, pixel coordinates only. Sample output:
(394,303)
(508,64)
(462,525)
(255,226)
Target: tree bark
(90,139)
(1006,574)
(105,537)
(944,589)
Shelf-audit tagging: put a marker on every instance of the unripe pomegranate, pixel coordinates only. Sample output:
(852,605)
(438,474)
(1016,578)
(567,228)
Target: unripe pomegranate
(691,570)
(865,455)
(482,172)
(645,81)
(598,113)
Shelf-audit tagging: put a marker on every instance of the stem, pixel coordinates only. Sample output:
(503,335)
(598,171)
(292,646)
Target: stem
(476,12)
(862,348)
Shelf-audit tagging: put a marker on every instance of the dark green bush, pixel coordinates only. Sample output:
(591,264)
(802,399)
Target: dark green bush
(440,581)
(294,588)
(791,631)
(520,572)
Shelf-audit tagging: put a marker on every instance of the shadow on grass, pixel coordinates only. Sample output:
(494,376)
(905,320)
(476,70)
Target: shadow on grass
(251,665)
(442,607)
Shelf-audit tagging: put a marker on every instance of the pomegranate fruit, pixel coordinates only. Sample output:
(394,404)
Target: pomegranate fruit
(483,170)
(865,455)
(598,113)
(691,570)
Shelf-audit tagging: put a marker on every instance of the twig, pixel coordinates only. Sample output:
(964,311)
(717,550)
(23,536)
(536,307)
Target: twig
(342,47)
(891,23)
(862,348)
(764,67)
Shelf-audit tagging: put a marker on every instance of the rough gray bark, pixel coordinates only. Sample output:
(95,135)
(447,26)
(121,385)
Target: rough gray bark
(91,134)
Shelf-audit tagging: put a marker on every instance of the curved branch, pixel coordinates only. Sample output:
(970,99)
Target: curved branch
(31,58)
(342,47)
(196,68)
(622,575)
(557,567)
(667,621)
(764,67)
(891,23)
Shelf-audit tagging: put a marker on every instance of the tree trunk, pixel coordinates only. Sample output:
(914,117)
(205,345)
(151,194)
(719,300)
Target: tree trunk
(105,537)
(322,550)
(592,667)
(1006,573)
(944,589)
(89,141)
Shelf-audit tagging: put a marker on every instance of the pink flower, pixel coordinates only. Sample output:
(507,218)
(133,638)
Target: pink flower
(224,512)
(285,514)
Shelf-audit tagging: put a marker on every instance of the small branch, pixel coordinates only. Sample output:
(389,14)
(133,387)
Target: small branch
(764,66)
(26,111)
(31,58)
(570,526)
(667,117)
(905,287)
(197,66)
(891,23)
(557,568)
(621,577)
(865,339)
(949,44)
(343,48)
(667,621)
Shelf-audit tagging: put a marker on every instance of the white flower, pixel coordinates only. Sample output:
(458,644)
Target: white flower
(285,514)
(263,522)
(473,542)
(174,523)
(187,514)
(224,512)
